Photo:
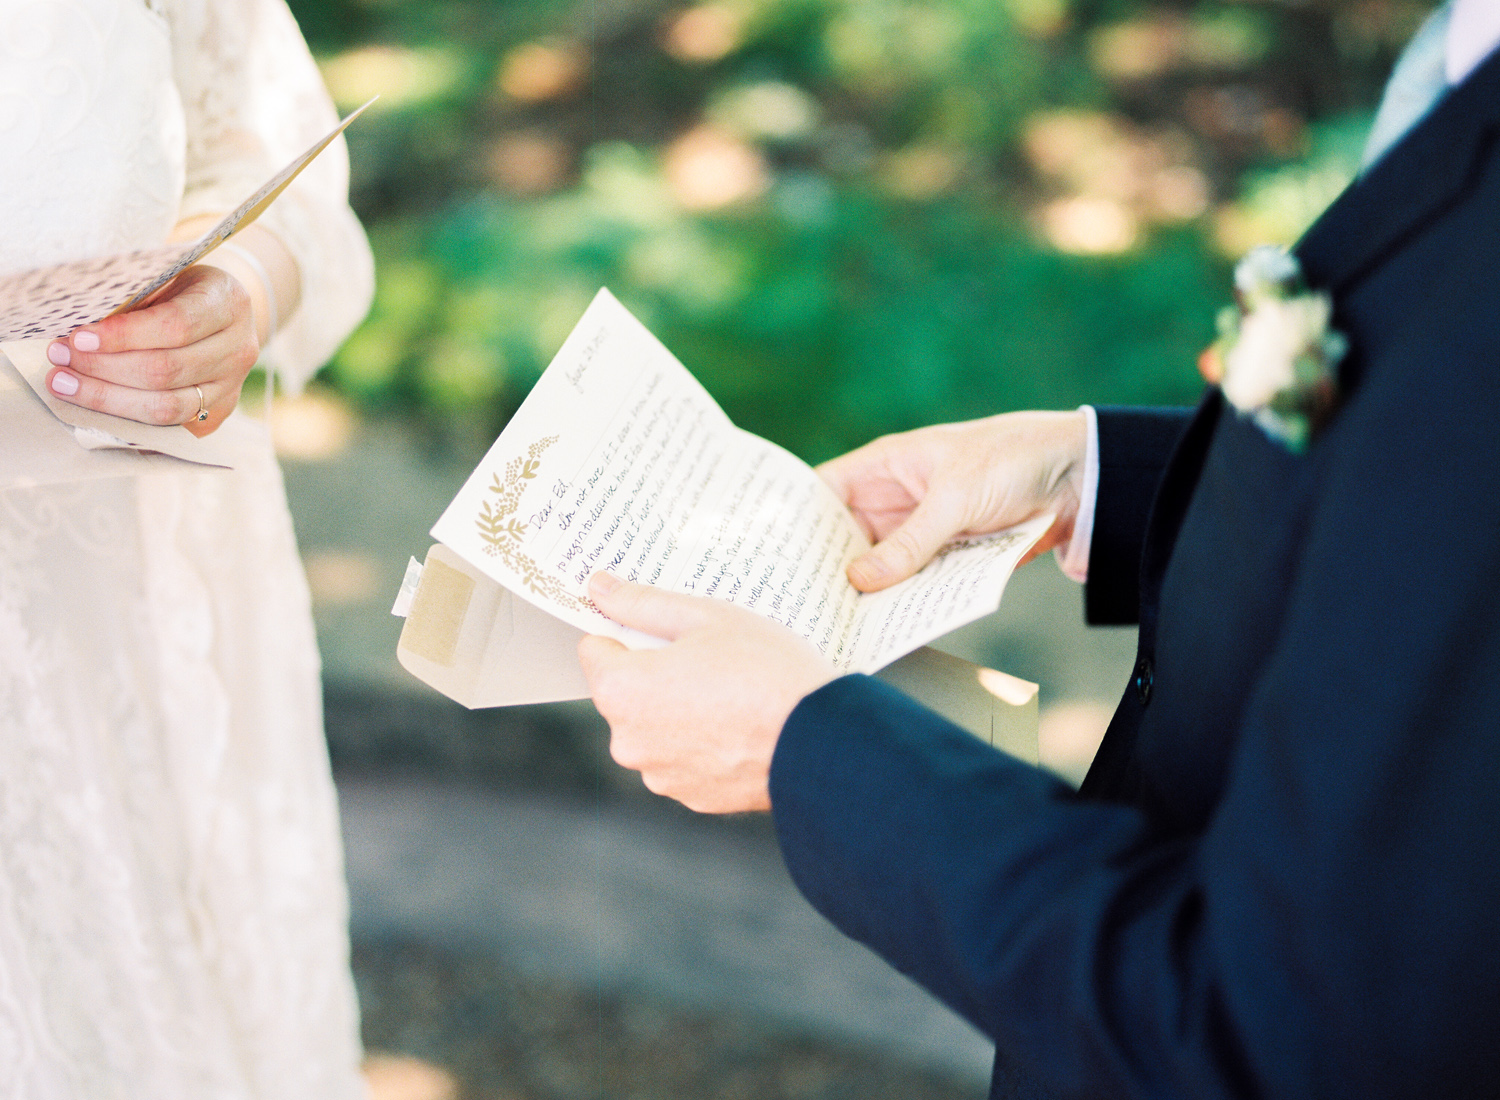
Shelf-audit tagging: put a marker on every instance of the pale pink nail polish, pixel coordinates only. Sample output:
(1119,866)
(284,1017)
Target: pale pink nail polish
(59,354)
(64,383)
(86,341)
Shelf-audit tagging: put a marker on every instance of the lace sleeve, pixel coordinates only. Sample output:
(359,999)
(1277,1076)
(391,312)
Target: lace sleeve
(253,100)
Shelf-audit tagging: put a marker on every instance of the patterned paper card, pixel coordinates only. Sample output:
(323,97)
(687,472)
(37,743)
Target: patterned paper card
(53,301)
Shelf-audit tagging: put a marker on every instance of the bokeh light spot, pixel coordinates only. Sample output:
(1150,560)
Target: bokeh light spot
(401,77)
(1153,45)
(708,169)
(1179,194)
(528,162)
(767,109)
(541,71)
(341,578)
(922,171)
(395,1077)
(1043,18)
(702,35)
(311,427)
(1116,165)
(1089,226)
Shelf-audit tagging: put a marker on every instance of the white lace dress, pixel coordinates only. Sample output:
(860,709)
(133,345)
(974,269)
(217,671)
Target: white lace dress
(172,908)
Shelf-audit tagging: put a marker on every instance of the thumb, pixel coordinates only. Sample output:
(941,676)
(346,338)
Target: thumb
(597,655)
(907,548)
(651,610)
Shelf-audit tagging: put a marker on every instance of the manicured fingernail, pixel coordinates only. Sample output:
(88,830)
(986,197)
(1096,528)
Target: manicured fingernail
(59,354)
(86,340)
(870,570)
(64,383)
(602,584)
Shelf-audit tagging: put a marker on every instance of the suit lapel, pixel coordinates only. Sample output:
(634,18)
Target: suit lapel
(1420,177)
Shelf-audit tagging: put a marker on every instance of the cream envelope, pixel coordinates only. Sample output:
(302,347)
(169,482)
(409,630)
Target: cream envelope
(481,645)
(96,431)
(41,450)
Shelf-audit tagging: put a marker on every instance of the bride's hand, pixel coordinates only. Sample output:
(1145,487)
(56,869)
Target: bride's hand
(150,364)
(914,491)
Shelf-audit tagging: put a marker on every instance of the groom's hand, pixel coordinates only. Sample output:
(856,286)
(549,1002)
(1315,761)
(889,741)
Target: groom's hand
(700,717)
(914,491)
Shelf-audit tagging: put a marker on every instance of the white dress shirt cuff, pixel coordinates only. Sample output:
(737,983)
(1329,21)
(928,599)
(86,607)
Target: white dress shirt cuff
(1073,558)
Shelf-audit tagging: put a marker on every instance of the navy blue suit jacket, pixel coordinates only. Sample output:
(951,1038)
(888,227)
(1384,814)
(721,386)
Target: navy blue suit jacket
(1281,878)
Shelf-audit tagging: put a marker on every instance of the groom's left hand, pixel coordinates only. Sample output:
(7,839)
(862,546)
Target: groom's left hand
(700,717)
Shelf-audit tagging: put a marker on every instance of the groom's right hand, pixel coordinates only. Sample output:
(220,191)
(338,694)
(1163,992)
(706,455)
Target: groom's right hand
(914,491)
(699,718)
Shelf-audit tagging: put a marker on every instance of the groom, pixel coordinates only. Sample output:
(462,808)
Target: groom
(1281,877)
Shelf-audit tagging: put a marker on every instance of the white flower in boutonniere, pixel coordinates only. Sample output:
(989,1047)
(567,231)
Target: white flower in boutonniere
(1276,356)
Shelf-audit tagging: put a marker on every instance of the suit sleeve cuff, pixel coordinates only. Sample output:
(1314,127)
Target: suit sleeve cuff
(1135,446)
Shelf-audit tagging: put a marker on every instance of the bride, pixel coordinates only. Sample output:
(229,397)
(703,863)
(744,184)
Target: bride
(172,909)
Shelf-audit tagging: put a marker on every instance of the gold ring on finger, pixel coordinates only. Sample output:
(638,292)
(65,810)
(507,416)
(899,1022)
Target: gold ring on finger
(202,414)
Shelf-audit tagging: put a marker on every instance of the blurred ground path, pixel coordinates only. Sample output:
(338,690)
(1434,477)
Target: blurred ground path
(694,910)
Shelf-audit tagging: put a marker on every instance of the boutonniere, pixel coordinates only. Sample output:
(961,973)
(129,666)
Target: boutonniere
(1275,356)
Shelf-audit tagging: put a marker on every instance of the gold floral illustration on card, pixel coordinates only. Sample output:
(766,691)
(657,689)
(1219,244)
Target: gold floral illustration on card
(503,532)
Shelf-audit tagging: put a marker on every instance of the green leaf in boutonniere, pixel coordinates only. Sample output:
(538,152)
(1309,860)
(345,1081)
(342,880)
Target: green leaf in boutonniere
(1276,356)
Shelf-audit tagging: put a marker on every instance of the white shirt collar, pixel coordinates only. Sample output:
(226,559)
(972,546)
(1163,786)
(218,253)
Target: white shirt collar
(1473,33)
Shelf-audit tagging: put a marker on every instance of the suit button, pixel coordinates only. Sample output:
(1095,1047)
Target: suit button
(1144,678)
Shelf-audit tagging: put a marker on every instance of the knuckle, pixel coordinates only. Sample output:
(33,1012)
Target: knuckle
(606,698)
(603,682)
(586,659)
(92,396)
(239,308)
(248,353)
(158,371)
(164,407)
(235,292)
(904,546)
(238,363)
(176,323)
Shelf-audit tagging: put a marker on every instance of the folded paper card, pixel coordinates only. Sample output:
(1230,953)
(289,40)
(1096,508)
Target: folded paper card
(95,431)
(41,450)
(48,302)
(620,460)
(40,305)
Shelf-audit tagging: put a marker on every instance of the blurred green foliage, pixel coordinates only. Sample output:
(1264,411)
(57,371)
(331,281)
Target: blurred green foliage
(846,217)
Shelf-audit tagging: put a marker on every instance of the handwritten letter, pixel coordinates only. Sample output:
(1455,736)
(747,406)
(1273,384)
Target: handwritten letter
(619,460)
